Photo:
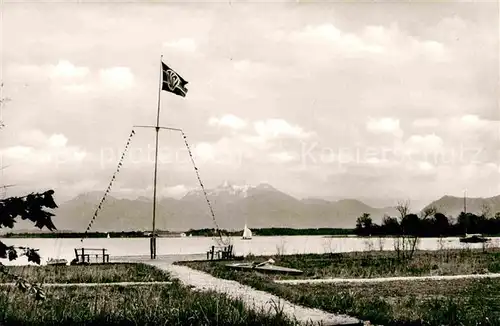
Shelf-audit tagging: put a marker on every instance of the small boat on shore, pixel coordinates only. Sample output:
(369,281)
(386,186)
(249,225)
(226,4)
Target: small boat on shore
(267,267)
(57,262)
(474,238)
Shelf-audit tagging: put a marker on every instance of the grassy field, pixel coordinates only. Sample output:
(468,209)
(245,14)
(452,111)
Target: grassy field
(172,304)
(457,302)
(373,264)
(141,305)
(104,273)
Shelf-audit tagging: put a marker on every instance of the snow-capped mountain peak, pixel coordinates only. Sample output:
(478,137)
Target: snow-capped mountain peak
(228,188)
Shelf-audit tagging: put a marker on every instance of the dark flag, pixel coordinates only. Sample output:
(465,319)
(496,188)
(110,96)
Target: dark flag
(172,82)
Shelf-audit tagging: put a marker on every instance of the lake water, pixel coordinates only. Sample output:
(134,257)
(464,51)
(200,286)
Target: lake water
(118,248)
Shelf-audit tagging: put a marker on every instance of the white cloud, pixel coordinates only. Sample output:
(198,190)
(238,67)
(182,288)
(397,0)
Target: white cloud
(204,151)
(16,152)
(175,191)
(62,72)
(470,120)
(434,49)
(377,42)
(183,44)
(425,166)
(257,142)
(58,140)
(49,150)
(65,69)
(424,144)
(228,120)
(117,77)
(326,31)
(34,138)
(471,127)
(273,128)
(69,78)
(348,43)
(133,193)
(384,125)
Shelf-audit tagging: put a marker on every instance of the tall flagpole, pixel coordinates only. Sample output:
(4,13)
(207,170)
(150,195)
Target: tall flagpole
(157,128)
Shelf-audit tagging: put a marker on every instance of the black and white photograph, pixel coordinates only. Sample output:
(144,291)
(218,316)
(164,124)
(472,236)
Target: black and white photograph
(291,162)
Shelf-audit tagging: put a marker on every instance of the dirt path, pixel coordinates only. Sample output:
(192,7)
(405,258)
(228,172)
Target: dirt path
(387,279)
(252,297)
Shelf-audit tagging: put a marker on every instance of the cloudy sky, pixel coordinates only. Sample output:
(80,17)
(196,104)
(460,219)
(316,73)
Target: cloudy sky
(317,99)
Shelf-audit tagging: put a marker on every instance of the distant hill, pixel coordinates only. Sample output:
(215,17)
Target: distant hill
(260,206)
(453,206)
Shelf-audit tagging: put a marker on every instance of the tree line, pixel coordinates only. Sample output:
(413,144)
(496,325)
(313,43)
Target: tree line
(430,223)
(273,232)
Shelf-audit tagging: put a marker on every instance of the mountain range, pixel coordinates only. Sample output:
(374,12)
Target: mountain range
(260,206)
(453,206)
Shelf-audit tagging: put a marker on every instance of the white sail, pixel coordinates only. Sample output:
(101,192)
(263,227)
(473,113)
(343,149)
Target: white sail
(247,234)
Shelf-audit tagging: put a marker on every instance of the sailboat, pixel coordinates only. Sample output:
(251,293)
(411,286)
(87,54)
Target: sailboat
(247,234)
(471,238)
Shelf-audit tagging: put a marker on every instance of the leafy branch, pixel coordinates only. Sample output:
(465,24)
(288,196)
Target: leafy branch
(30,207)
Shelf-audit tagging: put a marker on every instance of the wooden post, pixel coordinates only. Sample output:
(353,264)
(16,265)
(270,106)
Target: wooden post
(103,255)
(83,255)
(151,246)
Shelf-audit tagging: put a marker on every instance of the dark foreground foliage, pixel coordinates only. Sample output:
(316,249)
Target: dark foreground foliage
(133,305)
(101,273)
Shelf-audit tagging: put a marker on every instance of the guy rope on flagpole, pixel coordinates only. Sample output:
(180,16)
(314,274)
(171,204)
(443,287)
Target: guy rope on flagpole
(221,240)
(99,207)
(203,188)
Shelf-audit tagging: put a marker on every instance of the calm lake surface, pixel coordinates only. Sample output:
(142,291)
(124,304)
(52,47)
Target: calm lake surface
(119,248)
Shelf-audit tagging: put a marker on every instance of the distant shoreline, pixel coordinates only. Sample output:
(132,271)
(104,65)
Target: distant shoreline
(194,233)
(266,232)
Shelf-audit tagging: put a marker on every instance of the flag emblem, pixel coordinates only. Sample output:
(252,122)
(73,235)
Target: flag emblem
(172,82)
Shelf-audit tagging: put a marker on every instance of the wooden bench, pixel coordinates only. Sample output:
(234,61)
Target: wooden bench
(91,255)
(225,252)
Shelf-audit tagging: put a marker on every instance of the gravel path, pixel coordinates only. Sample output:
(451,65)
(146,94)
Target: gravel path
(253,298)
(387,279)
(94,284)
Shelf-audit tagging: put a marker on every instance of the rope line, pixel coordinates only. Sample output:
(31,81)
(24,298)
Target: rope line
(203,188)
(120,163)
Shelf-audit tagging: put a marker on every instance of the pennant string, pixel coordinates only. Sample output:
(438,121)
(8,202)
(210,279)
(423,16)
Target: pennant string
(99,207)
(221,240)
